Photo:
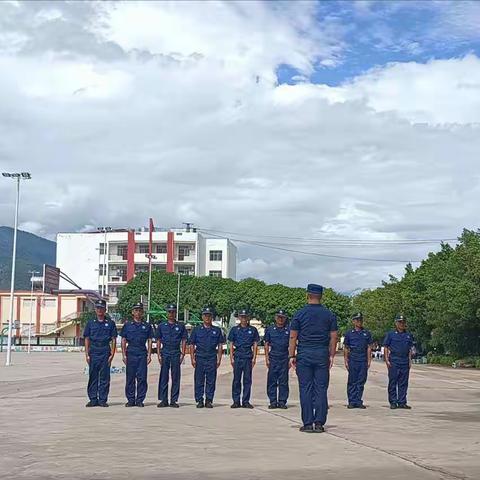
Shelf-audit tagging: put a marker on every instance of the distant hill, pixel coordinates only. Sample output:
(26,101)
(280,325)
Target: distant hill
(32,253)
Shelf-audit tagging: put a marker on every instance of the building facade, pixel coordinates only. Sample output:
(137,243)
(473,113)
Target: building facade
(46,314)
(105,261)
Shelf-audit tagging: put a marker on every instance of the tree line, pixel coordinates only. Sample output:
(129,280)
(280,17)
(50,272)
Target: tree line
(227,296)
(440,298)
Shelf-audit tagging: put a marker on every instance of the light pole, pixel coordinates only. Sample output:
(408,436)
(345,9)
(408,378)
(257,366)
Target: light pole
(33,272)
(150,258)
(104,230)
(17,177)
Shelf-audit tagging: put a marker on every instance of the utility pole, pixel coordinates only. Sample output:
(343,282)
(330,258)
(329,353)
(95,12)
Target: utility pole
(17,177)
(29,348)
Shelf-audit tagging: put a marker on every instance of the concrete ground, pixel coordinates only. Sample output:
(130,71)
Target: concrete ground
(46,431)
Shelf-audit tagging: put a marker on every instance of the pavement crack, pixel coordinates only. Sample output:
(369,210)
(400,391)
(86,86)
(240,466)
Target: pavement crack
(445,473)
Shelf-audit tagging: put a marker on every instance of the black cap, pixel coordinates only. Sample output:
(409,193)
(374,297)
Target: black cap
(100,304)
(208,311)
(357,316)
(171,307)
(314,288)
(138,306)
(400,318)
(243,312)
(281,313)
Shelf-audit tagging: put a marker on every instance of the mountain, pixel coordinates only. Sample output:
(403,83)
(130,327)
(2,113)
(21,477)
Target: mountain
(32,253)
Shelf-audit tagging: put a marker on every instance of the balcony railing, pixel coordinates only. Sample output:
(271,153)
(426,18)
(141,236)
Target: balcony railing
(185,258)
(117,278)
(114,257)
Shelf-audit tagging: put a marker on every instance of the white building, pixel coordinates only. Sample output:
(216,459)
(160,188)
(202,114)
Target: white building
(104,261)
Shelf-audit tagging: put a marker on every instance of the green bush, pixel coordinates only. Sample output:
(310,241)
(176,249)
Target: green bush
(440,359)
(449,360)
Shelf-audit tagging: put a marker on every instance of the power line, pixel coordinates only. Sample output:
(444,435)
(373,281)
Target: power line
(317,254)
(334,241)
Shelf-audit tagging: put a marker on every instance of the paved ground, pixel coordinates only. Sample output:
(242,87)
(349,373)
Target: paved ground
(46,432)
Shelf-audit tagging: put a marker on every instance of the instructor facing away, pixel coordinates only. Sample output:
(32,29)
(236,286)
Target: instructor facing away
(312,348)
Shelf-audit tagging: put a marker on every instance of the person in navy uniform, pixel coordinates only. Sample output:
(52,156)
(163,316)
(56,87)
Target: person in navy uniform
(171,346)
(312,348)
(243,356)
(357,353)
(276,359)
(100,342)
(137,354)
(206,349)
(398,357)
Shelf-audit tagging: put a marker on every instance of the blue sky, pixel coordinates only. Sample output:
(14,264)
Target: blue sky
(375,34)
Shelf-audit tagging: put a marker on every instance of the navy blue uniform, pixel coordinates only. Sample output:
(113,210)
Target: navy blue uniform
(277,377)
(399,345)
(171,336)
(357,342)
(313,323)
(136,334)
(207,341)
(242,339)
(100,333)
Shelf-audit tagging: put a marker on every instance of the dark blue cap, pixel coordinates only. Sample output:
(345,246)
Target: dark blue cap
(281,313)
(357,316)
(138,306)
(400,318)
(208,311)
(171,307)
(100,304)
(243,312)
(314,288)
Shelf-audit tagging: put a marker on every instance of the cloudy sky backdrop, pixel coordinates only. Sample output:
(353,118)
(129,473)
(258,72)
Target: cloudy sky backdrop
(288,124)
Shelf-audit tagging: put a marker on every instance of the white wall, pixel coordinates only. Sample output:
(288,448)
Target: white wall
(228,264)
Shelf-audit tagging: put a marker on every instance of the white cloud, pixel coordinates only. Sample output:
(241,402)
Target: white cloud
(186,124)
(437,92)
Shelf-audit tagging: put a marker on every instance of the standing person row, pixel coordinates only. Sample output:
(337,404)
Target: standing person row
(309,343)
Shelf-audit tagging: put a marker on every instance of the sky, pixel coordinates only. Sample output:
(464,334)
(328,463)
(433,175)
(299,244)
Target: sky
(339,129)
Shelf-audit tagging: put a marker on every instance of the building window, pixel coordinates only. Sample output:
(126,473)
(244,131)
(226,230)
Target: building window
(161,248)
(215,273)
(27,303)
(118,275)
(102,249)
(160,268)
(186,270)
(141,268)
(122,251)
(216,255)
(143,248)
(102,269)
(50,302)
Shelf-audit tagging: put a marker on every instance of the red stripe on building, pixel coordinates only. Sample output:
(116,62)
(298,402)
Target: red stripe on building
(170,247)
(131,255)
(59,310)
